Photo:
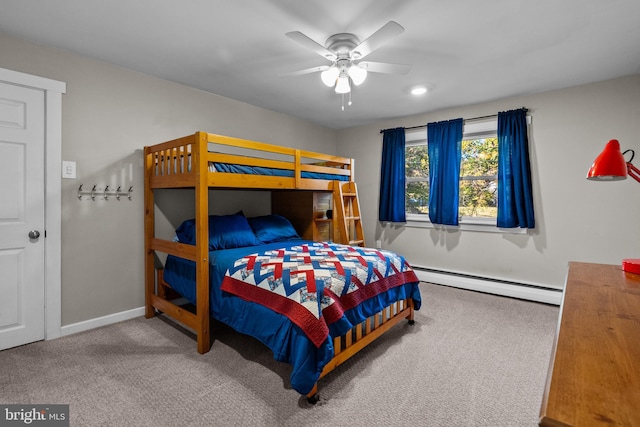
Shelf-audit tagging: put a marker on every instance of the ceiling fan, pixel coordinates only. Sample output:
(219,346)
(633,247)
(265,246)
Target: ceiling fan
(345,52)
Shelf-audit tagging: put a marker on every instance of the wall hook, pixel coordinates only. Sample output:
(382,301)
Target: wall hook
(106,193)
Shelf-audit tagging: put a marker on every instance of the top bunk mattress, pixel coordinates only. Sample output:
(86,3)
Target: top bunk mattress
(259,170)
(177,166)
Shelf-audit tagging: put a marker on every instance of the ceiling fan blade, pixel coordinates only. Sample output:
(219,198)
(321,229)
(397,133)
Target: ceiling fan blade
(377,39)
(307,71)
(385,67)
(311,45)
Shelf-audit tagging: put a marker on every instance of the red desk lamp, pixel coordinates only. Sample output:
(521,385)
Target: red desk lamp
(611,165)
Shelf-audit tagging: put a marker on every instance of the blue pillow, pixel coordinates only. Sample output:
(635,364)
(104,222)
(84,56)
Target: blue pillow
(272,228)
(225,232)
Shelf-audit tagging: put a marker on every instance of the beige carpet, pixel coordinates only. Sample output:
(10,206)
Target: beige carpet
(471,359)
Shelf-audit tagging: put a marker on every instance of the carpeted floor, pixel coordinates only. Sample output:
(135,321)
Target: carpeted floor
(471,359)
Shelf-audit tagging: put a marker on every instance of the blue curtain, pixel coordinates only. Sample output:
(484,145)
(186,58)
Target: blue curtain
(444,141)
(392,178)
(515,200)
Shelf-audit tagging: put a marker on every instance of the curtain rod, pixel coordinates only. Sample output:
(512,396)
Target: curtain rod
(490,116)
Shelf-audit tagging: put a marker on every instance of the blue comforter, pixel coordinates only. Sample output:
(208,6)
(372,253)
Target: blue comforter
(285,339)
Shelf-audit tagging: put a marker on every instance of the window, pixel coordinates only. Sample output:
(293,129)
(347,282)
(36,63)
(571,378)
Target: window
(417,178)
(478,175)
(479,178)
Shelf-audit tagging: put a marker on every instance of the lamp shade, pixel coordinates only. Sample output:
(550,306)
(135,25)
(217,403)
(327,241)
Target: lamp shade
(343,84)
(329,76)
(357,74)
(610,165)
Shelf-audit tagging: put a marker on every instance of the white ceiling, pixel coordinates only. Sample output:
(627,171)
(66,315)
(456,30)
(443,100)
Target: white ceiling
(463,51)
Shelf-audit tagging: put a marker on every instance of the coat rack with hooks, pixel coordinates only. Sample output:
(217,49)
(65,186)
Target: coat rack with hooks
(106,193)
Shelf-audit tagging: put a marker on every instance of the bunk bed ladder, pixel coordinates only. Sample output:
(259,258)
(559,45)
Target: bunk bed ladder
(348,223)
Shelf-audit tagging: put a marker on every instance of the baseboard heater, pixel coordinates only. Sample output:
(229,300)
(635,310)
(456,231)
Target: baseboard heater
(488,285)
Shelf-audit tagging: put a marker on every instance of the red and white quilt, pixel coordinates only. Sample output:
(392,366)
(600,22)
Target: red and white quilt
(313,284)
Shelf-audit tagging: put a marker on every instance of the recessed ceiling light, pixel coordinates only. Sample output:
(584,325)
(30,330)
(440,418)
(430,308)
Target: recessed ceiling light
(419,91)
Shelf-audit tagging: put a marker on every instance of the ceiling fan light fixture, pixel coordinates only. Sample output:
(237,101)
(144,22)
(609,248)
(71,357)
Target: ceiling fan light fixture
(345,51)
(343,84)
(357,74)
(329,76)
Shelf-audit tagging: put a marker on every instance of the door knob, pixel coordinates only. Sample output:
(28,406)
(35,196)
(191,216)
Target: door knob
(34,234)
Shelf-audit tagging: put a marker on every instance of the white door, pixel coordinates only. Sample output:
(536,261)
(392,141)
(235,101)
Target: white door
(22,200)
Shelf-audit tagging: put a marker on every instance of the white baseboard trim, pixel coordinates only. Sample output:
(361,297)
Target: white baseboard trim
(101,321)
(490,286)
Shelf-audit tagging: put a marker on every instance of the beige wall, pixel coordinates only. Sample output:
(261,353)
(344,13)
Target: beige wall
(576,219)
(109,114)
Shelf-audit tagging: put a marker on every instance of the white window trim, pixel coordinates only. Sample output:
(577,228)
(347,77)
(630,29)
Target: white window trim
(418,137)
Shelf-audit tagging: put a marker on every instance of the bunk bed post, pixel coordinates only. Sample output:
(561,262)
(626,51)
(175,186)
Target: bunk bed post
(338,212)
(201,145)
(352,169)
(297,173)
(149,232)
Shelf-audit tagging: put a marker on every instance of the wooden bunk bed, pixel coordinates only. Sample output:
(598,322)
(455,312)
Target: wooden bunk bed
(192,162)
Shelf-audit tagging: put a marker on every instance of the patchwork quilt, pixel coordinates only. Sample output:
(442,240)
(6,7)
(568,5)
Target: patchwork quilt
(314,284)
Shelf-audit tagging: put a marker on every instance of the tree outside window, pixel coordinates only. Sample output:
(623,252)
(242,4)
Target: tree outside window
(417,179)
(478,178)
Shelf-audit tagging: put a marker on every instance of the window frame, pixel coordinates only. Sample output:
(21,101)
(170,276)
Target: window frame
(483,129)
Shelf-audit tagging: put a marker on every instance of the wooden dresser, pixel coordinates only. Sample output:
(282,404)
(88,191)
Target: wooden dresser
(594,373)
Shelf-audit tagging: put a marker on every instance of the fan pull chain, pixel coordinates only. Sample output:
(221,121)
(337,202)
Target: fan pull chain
(348,103)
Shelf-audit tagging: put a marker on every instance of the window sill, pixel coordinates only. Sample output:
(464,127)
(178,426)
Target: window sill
(475,224)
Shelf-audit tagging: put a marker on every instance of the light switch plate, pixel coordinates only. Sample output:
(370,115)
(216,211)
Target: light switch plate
(68,169)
